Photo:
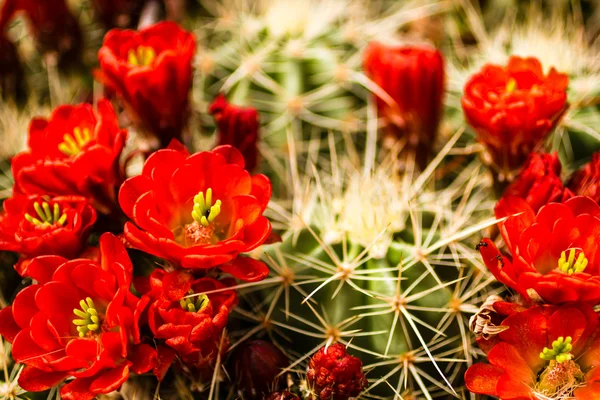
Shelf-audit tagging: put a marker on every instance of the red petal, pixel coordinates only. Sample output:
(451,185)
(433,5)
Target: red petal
(113,252)
(110,380)
(42,268)
(8,326)
(197,261)
(246,269)
(177,284)
(166,355)
(143,358)
(483,378)
(77,389)
(24,307)
(231,154)
(36,380)
(528,333)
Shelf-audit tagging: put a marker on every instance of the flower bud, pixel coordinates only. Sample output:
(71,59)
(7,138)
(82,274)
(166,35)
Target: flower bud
(256,364)
(334,374)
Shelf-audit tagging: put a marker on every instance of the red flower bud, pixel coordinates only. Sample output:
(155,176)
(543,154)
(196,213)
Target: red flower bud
(539,182)
(513,109)
(238,127)
(586,181)
(283,395)
(256,364)
(413,78)
(333,374)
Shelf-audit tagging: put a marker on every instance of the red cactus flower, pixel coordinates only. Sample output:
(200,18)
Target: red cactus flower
(334,374)
(545,352)
(50,22)
(586,181)
(413,79)
(151,72)
(256,365)
(191,326)
(554,253)
(75,152)
(238,127)
(513,110)
(80,321)
(539,182)
(36,225)
(199,211)
(118,13)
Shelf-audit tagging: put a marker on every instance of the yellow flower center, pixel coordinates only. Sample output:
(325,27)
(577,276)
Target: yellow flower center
(194,305)
(142,56)
(204,211)
(511,85)
(74,143)
(560,351)
(570,265)
(89,320)
(46,216)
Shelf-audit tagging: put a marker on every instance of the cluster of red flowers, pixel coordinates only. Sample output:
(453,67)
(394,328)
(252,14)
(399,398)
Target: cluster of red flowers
(86,319)
(545,342)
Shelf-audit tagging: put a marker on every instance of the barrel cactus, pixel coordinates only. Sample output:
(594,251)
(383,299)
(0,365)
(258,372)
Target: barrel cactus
(298,63)
(382,263)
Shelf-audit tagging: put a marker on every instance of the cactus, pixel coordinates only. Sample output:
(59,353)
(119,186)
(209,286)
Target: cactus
(380,262)
(298,63)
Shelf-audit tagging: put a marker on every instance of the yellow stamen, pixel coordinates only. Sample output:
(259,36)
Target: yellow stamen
(570,265)
(142,56)
(560,351)
(204,212)
(88,320)
(74,143)
(190,305)
(46,216)
(511,85)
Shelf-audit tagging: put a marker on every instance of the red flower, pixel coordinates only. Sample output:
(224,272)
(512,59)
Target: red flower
(256,365)
(539,182)
(191,326)
(554,253)
(513,110)
(238,127)
(199,211)
(151,71)
(333,374)
(586,181)
(51,23)
(546,352)
(80,321)
(413,78)
(75,152)
(35,225)
(118,13)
